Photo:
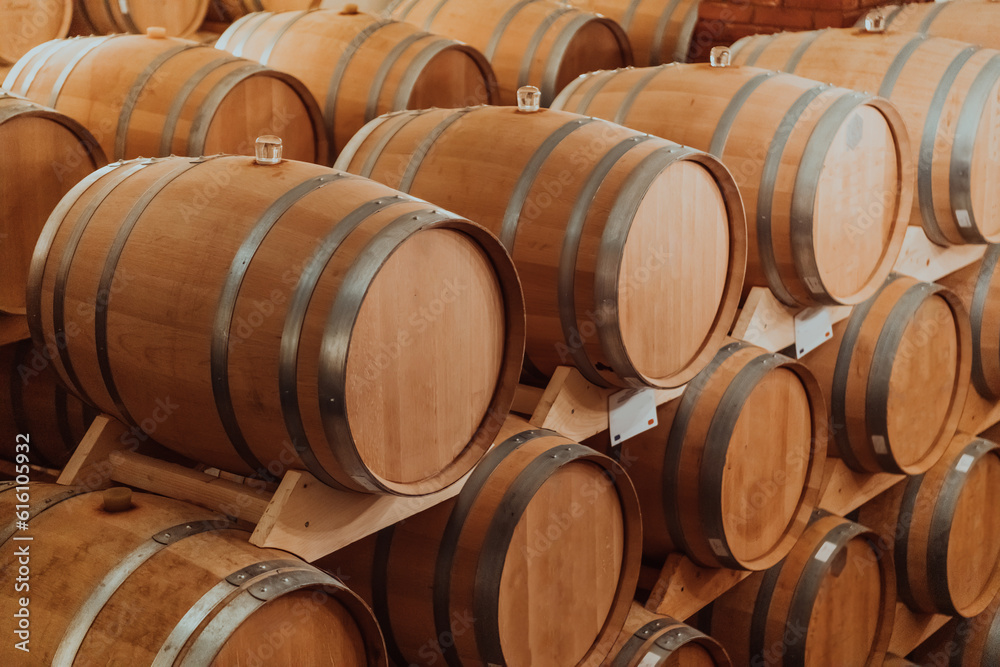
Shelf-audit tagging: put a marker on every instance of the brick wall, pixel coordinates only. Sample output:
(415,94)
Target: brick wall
(725,21)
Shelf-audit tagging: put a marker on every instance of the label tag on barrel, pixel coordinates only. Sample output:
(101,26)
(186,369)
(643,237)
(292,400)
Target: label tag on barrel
(812,328)
(825,551)
(630,412)
(965,463)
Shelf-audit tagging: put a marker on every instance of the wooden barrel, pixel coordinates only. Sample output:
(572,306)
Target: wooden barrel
(34,403)
(179,18)
(25,25)
(944,530)
(731,472)
(948,93)
(541,42)
(967,21)
(976,641)
(897,374)
(164,582)
(304,318)
(360,66)
(824,172)
(45,154)
(659,30)
(227,11)
(978,285)
(832,601)
(534,563)
(591,213)
(159,96)
(649,640)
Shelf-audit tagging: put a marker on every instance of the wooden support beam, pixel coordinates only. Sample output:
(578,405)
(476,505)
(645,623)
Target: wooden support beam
(312,520)
(911,629)
(845,490)
(685,588)
(89,464)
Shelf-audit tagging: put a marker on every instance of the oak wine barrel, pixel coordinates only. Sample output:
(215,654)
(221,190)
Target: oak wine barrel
(541,42)
(978,640)
(33,402)
(649,640)
(824,172)
(948,92)
(146,96)
(359,66)
(970,21)
(361,302)
(25,25)
(832,601)
(944,530)
(978,285)
(731,472)
(896,374)
(162,582)
(45,154)
(227,11)
(631,248)
(179,18)
(533,564)
(659,30)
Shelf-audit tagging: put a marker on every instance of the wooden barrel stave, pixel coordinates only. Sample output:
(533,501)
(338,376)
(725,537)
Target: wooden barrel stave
(535,504)
(227,11)
(359,66)
(545,44)
(552,207)
(825,223)
(941,528)
(650,640)
(705,489)
(660,32)
(173,96)
(34,403)
(947,92)
(831,601)
(120,600)
(966,21)
(46,154)
(180,18)
(226,409)
(896,374)
(25,25)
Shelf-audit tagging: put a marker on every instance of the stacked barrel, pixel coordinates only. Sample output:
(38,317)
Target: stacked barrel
(221,289)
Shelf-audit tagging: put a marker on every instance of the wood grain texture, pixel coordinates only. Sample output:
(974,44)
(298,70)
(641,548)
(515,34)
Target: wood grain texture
(34,402)
(945,531)
(631,268)
(736,496)
(359,66)
(545,44)
(911,629)
(966,20)
(831,601)
(827,184)
(25,25)
(547,576)
(180,18)
(46,153)
(954,142)
(239,308)
(163,96)
(651,640)
(896,398)
(660,32)
(145,603)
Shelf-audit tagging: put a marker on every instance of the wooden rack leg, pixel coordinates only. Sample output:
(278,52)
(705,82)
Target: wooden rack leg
(684,588)
(89,464)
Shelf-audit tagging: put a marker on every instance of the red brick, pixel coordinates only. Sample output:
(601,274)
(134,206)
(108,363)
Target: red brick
(789,19)
(725,12)
(829,5)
